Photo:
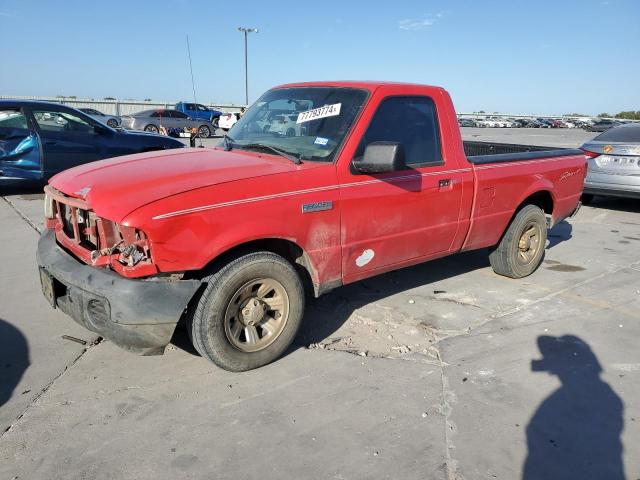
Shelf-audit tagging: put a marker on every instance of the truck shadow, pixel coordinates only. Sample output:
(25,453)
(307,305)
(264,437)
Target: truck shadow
(325,315)
(558,234)
(630,205)
(575,432)
(14,359)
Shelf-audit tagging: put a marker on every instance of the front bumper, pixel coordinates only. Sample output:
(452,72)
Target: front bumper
(137,315)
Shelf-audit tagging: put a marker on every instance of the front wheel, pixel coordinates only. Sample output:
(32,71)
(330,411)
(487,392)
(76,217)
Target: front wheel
(204,131)
(112,122)
(249,312)
(151,128)
(521,248)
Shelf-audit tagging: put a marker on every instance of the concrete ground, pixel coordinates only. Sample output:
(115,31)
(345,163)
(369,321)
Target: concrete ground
(443,370)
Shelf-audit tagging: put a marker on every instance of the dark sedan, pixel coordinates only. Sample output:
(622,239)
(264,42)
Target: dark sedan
(603,125)
(39,139)
(614,163)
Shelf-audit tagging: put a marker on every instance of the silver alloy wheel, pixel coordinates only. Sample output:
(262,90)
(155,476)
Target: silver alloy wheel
(204,131)
(151,128)
(256,314)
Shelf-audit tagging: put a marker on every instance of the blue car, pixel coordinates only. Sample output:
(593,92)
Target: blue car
(199,112)
(40,139)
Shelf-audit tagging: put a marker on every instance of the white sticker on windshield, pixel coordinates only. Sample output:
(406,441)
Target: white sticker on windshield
(321,141)
(322,112)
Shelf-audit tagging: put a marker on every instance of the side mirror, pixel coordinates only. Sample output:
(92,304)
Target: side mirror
(381,157)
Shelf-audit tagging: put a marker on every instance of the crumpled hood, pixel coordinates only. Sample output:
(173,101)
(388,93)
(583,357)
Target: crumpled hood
(118,186)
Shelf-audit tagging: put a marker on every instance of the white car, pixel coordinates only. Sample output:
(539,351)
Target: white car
(487,122)
(227,120)
(283,124)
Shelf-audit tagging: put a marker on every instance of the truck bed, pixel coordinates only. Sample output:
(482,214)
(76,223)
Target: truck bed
(488,152)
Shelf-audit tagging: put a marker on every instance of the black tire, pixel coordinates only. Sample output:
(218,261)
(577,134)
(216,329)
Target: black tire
(204,131)
(206,323)
(291,132)
(151,128)
(586,198)
(112,122)
(507,257)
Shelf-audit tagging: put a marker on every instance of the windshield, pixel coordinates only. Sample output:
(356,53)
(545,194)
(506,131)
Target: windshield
(309,123)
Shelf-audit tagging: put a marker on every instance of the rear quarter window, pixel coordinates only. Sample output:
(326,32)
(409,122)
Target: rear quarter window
(626,134)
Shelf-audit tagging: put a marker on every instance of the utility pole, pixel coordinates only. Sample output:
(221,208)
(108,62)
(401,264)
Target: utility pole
(246,31)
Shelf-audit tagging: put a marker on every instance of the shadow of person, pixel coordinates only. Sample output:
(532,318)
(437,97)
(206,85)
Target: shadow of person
(575,432)
(559,233)
(14,359)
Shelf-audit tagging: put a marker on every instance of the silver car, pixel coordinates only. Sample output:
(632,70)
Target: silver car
(153,120)
(111,120)
(614,163)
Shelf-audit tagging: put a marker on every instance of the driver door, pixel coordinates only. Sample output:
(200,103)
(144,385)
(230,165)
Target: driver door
(67,139)
(389,219)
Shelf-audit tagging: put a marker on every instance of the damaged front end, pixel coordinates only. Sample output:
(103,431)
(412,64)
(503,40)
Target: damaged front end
(124,300)
(97,241)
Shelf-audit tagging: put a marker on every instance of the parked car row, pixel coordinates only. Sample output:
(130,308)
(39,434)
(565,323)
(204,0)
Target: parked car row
(504,122)
(185,116)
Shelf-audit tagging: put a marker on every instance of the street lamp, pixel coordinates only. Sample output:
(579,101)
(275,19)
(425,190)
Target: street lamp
(246,71)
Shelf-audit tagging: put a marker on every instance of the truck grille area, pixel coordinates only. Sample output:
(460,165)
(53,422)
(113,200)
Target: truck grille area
(98,241)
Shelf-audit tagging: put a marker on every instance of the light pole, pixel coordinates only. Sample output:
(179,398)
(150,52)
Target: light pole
(246,69)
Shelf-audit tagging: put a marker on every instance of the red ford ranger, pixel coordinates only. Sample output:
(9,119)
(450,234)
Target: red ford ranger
(318,185)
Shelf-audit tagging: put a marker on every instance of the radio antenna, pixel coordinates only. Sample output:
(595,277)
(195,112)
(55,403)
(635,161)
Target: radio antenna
(193,85)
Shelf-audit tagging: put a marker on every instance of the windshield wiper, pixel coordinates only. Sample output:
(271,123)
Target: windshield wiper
(275,150)
(228,142)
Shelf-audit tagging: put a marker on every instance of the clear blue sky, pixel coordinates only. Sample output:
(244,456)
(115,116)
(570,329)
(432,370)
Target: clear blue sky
(512,56)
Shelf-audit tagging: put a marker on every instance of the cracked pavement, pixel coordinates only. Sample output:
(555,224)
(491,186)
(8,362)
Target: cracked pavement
(424,372)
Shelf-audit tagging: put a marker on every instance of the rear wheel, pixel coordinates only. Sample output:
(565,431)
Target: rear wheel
(521,248)
(112,122)
(249,313)
(151,128)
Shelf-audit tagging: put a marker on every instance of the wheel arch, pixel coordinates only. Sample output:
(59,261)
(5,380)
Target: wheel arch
(286,248)
(542,198)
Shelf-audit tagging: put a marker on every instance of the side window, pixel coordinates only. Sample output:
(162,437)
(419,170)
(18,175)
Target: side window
(13,118)
(176,114)
(202,108)
(157,114)
(190,106)
(410,121)
(61,121)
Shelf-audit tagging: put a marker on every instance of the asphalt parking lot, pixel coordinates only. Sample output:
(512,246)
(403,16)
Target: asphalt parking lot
(443,370)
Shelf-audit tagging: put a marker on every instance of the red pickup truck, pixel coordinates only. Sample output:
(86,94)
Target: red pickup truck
(318,185)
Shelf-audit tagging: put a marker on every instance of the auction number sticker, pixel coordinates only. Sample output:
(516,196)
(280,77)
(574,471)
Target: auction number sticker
(322,112)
